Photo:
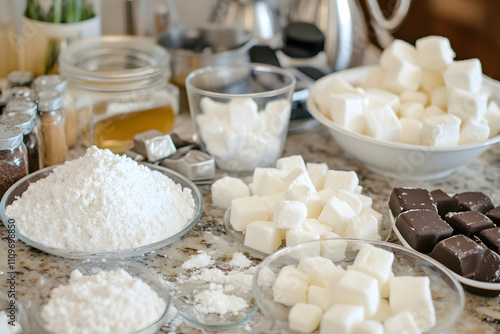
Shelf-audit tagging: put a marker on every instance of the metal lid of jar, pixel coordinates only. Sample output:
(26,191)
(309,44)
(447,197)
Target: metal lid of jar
(20,105)
(50,82)
(24,122)
(21,91)
(10,137)
(19,78)
(49,100)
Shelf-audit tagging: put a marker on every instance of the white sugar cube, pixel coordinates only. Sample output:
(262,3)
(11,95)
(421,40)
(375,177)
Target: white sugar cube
(368,327)
(339,179)
(262,236)
(290,286)
(378,97)
(307,196)
(365,200)
(370,211)
(270,200)
(493,117)
(304,318)
(227,188)
(351,198)
(225,144)
(313,225)
(409,96)
(466,105)
(434,52)
(398,50)
(271,181)
(383,311)
(464,74)
(321,271)
(336,213)
(298,176)
(473,131)
(411,110)
(375,262)
(411,131)
(298,235)
(383,124)
(439,97)
(401,76)
(385,289)
(358,288)
(347,111)
(433,110)
(413,294)
(336,85)
(431,80)
(320,296)
(402,322)
(277,115)
(441,130)
(325,194)
(341,318)
(246,210)
(288,214)
(317,172)
(374,78)
(290,163)
(335,250)
(362,227)
(243,113)
(213,108)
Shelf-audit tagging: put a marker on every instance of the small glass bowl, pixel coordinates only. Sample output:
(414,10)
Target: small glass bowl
(20,187)
(447,293)
(137,270)
(15,311)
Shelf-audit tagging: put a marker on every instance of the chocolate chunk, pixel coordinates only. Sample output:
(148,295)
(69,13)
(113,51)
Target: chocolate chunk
(468,222)
(459,254)
(491,238)
(444,202)
(488,269)
(422,229)
(474,200)
(404,199)
(494,214)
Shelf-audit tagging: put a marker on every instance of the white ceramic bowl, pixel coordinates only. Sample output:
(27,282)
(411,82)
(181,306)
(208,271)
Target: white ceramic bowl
(397,160)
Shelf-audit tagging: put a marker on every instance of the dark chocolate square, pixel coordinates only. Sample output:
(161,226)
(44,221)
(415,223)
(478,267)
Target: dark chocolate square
(474,200)
(491,238)
(488,269)
(494,214)
(458,253)
(422,229)
(404,199)
(468,222)
(444,202)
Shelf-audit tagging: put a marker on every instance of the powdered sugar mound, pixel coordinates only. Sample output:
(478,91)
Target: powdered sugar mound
(240,261)
(215,300)
(102,202)
(200,260)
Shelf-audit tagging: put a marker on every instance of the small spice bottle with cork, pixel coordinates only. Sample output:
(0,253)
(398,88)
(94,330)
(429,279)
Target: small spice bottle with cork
(55,149)
(13,157)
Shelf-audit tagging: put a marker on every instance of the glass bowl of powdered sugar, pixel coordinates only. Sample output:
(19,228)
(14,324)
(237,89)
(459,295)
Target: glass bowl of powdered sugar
(114,296)
(101,205)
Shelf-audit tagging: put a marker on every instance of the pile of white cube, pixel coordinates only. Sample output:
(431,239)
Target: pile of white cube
(416,95)
(365,297)
(297,202)
(241,137)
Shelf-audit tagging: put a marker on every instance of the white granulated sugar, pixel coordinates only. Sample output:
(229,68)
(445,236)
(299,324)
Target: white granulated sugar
(240,261)
(102,202)
(215,300)
(106,302)
(198,261)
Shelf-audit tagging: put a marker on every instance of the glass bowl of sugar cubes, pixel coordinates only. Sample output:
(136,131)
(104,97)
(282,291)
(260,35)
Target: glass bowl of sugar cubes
(417,115)
(354,285)
(241,113)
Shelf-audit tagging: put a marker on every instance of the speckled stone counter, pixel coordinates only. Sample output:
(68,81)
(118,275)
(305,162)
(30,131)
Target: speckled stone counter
(481,315)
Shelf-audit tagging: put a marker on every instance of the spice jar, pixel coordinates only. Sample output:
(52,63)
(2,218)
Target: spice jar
(13,157)
(31,138)
(60,84)
(55,149)
(121,88)
(20,78)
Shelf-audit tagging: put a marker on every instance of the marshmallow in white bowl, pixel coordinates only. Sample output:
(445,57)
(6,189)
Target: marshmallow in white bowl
(434,53)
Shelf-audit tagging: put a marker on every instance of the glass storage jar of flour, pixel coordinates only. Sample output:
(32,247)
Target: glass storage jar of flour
(120,87)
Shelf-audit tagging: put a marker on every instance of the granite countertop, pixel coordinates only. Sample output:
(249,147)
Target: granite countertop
(481,314)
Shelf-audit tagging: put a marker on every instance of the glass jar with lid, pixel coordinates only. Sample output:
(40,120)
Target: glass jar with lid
(55,149)
(13,157)
(25,104)
(121,87)
(20,79)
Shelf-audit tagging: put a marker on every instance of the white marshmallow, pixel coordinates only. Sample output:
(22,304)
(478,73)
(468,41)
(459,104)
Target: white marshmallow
(320,296)
(398,50)
(433,110)
(359,190)
(271,181)
(413,294)
(362,227)
(243,113)
(313,225)
(365,200)
(225,144)
(464,74)
(262,236)
(270,200)
(374,78)
(277,115)
(307,196)
(370,211)
(431,80)
(321,271)
(409,96)
(466,105)
(402,76)
(375,262)
(383,124)
(291,163)
(317,172)
(227,188)
(402,322)
(378,97)
(411,131)
(304,318)
(434,52)
(351,198)
(266,278)
(439,97)
(246,210)
(473,131)
(341,319)
(336,85)
(358,288)
(336,213)
(441,130)
(334,251)
(213,108)
(298,176)
(290,286)
(347,111)
(288,214)
(383,311)
(298,235)
(385,289)
(368,327)
(325,194)
(493,117)
(411,110)
(339,179)
(209,126)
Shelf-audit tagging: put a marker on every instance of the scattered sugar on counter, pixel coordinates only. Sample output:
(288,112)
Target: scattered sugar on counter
(200,260)
(106,302)
(102,202)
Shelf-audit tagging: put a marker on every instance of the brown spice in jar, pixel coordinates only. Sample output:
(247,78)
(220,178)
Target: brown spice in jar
(13,167)
(71,127)
(55,150)
(33,149)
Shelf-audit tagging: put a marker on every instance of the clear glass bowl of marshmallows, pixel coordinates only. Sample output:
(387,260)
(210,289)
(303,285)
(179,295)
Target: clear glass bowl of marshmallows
(241,113)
